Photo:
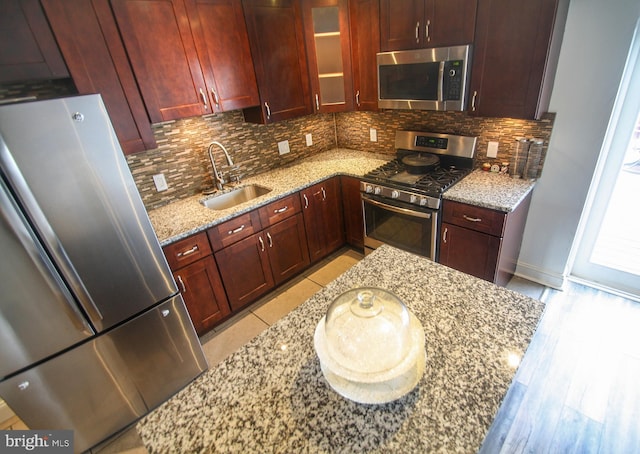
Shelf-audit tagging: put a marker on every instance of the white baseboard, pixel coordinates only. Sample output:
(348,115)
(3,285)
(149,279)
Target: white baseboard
(5,412)
(535,274)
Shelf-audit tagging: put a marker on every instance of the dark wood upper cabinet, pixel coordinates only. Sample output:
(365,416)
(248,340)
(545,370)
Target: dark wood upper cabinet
(222,44)
(364,17)
(89,40)
(515,56)
(326,26)
(416,24)
(28,50)
(277,47)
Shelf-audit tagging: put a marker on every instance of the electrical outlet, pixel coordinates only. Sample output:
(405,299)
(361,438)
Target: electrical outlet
(283,147)
(373,135)
(492,150)
(309,140)
(160,182)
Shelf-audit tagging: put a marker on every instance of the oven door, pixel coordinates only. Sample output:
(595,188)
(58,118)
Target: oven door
(400,225)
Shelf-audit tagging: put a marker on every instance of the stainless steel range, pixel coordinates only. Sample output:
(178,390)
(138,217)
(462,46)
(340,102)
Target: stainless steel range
(401,199)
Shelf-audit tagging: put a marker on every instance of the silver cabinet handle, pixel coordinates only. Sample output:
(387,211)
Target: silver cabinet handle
(317,102)
(324,194)
(270,239)
(473,101)
(358,98)
(266,105)
(417,32)
(444,235)
(281,210)
(239,229)
(306,200)
(215,97)
(470,219)
(261,243)
(203,96)
(184,288)
(426,31)
(188,251)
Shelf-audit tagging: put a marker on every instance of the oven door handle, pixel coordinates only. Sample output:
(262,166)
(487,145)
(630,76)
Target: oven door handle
(416,214)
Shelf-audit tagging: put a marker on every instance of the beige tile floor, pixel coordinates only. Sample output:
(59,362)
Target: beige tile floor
(235,332)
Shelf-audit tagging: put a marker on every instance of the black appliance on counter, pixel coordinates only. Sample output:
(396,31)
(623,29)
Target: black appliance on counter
(402,198)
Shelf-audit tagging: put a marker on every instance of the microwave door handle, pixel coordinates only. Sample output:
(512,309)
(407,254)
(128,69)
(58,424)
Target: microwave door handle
(441,84)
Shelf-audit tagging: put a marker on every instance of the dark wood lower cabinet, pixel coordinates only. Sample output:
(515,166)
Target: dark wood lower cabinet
(203,293)
(352,207)
(253,266)
(323,218)
(482,242)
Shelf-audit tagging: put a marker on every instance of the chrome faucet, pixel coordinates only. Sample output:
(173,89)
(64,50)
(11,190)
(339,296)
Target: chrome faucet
(217,176)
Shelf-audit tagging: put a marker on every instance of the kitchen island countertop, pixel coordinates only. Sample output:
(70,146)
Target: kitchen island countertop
(271,396)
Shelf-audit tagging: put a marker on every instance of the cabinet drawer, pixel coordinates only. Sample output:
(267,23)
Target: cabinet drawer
(473,217)
(234,230)
(279,210)
(187,251)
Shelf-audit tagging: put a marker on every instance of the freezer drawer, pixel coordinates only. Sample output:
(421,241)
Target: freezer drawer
(87,389)
(162,351)
(104,385)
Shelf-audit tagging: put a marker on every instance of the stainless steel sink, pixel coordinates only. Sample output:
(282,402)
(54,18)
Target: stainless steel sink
(235,197)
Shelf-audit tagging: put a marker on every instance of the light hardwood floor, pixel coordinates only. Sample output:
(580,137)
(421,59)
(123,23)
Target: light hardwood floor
(578,387)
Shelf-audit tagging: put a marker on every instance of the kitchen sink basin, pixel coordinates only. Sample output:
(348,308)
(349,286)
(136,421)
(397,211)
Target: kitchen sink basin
(235,197)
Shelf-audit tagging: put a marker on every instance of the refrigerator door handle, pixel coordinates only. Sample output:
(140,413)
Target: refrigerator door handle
(22,233)
(44,229)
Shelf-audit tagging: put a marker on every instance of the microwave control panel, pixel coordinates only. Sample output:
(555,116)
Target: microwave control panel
(452,80)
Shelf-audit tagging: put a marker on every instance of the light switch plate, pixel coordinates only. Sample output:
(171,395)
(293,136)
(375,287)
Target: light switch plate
(283,147)
(160,182)
(492,150)
(373,135)
(309,139)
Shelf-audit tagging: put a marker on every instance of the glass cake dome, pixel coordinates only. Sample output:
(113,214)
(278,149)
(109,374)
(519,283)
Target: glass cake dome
(370,346)
(367,330)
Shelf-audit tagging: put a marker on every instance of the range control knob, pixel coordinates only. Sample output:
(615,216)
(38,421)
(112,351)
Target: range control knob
(413,198)
(368,189)
(377,190)
(423,202)
(395,194)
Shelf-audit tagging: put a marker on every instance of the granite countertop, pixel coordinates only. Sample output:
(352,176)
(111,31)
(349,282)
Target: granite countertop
(185,217)
(490,190)
(271,396)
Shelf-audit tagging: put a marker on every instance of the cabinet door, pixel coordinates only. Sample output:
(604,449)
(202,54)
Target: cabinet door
(323,219)
(203,293)
(353,217)
(326,24)
(401,24)
(469,251)
(287,246)
(364,19)
(515,56)
(160,45)
(28,50)
(99,64)
(222,43)
(450,22)
(279,58)
(245,271)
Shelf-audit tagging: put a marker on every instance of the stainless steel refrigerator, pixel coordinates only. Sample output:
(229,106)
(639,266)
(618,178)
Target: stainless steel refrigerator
(93,331)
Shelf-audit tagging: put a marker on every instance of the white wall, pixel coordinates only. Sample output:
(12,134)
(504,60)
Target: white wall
(596,42)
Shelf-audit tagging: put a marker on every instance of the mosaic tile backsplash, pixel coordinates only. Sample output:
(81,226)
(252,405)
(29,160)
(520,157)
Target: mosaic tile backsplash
(182,144)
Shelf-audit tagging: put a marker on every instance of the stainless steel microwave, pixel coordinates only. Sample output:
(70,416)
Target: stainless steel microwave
(424,79)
